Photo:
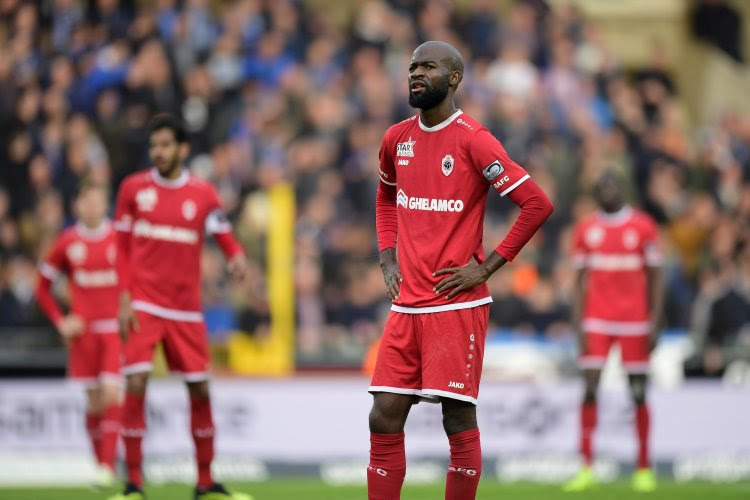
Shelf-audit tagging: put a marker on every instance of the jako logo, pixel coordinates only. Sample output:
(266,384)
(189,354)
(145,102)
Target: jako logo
(457,385)
(428,204)
(468,472)
(378,470)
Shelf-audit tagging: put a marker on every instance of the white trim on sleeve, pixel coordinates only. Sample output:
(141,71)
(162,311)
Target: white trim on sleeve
(49,271)
(123,226)
(578,260)
(441,308)
(451,395)
(386,182)
(515,184)
(163,312)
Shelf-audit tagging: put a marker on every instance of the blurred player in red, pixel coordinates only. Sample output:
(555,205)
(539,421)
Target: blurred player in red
(162,216)
(85,254)
(618,300)
(435,172)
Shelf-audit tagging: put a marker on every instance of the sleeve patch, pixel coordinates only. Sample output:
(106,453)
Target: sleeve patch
(493,170)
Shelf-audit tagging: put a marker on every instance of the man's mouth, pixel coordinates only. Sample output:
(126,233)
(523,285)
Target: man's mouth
(417,87)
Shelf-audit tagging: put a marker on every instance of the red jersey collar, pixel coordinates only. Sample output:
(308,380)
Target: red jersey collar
(93,234)
(440,125)
(616,218)
(170,183)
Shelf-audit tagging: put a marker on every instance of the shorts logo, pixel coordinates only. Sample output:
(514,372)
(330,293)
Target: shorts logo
(146,199)
(492,170)
(405,148)
(447,165)
(189,209)
(456,385)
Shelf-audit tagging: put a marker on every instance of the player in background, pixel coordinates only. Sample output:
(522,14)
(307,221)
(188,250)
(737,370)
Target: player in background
(435,172)
(618,299)
(162,216)
(85,254)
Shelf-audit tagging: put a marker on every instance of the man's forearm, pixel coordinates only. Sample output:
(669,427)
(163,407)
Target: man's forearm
(388,256)
(493,262)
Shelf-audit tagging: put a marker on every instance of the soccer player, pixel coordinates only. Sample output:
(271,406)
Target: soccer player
(618,300)
(435,172)
(162,215)
(85,254)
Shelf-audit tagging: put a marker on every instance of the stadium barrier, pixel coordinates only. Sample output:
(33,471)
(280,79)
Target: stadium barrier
(282,427)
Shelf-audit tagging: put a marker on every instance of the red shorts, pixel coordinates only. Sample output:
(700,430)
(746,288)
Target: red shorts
(185,347)
(634,350)
(95,357)
(432,355)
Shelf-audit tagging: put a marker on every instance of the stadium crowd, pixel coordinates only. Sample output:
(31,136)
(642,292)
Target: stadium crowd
(293,91)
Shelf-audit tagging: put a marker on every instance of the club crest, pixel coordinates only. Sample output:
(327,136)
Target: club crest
(447,165)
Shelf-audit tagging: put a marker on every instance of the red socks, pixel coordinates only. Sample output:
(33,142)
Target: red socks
(465,466)
(385,474)
(133,430)
(202,426)
(92,428)
(642,420)
(109,428)
(588,424)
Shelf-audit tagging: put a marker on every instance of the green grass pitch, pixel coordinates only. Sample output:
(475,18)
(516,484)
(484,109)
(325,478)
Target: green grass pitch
(488,490)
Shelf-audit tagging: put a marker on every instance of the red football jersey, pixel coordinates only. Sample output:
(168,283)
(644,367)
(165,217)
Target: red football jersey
(87,258)
(616,250)
(442,175)
(167,221)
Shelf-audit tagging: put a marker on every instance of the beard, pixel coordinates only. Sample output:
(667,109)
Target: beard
(431,96)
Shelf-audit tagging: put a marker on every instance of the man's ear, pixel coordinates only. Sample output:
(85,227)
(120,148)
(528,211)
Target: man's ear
(184,150)
(455,78)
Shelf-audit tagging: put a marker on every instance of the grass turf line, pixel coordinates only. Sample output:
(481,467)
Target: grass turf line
(488,490)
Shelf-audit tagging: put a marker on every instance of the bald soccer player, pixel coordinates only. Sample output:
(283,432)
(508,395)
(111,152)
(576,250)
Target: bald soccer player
(436,169)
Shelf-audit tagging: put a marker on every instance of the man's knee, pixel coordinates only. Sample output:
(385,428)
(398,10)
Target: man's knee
(109,395)
(458,416)
(389,412)
(136,383)
(638,389)
(591,385)
(94,401)
(198,390)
